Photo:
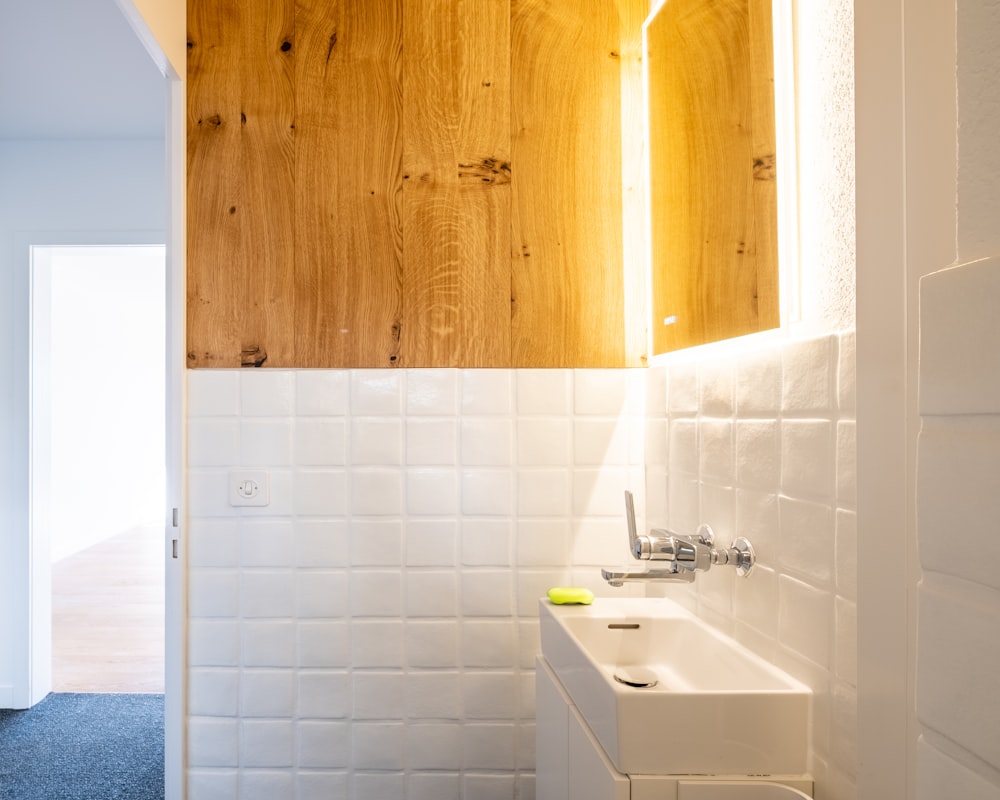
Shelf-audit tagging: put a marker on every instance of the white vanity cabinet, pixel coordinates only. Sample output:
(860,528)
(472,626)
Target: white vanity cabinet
(570,763)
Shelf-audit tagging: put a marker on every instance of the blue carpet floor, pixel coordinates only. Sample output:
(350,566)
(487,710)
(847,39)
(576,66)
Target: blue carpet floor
(83,747)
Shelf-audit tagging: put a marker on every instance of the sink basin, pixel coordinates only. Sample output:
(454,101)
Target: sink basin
(715,707)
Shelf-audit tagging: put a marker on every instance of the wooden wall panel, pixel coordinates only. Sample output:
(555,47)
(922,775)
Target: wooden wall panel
(456,184)
(405,183)
(567,251)
(240,184)
(348,234)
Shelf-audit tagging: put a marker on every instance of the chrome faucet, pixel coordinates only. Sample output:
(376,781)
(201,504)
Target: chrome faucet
(685,555)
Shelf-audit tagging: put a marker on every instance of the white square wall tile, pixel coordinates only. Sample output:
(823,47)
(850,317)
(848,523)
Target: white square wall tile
(213,593)
(267,593)
(321,594)
(601,442)
(543,493)
(543,391)
(376,593)
(432,392)
(758,383)
(807,539)
(213,693)
(432,643)
(320,442)
(267,392)
(431,543)
(486,391)
(324,744)
(323,694)
(376,543)
(542,543)
(266,442)
(847,469)
(377,644)
(489,746)
(715,386)
(715,451)
(758,451)
(489,643)
(377,492)
(490,695)
(434,746)
(599,391)
(487,442)
(320,492)
(431,491)
(213,543)
(486,492)
(378,695)
(808,460)
(213,643)
(431,593)
(321,543)
(486,542)
(322,643)
(268,643)
(808,375)
(376,392)
(682,394)
(376,442)
(486,594)
(431,442)
(599,492)
(267,693)
(213,742)
(213,442)
(957,664)
(322,392)
(377,746)
(960,339)
(213,393)
(266,743)
(543,442)
(847,371)
(266,543)
(805,616)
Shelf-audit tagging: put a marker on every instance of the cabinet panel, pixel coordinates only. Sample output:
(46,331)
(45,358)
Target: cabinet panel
(592,776)
(551,736)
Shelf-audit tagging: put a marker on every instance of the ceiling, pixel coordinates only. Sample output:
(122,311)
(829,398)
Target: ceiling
(74,69)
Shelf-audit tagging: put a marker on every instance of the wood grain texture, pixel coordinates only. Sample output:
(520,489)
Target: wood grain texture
(240,183)
(355,198)
(712,233)
(567,185)
(348,237)
(456,184)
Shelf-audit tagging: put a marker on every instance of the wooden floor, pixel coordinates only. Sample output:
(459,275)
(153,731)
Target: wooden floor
(107,616)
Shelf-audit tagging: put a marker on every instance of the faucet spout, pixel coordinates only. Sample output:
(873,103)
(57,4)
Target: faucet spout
(619,577)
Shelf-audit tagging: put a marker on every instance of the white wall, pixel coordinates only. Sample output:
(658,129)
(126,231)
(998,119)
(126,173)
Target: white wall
(50,189)
(958,474)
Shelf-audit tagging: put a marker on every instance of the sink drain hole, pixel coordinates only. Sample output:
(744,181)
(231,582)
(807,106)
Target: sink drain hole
(636,677)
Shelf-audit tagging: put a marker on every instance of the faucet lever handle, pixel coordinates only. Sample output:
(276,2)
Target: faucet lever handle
(633,534)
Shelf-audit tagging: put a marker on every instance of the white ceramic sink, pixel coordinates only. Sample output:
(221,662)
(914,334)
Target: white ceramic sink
(716,707)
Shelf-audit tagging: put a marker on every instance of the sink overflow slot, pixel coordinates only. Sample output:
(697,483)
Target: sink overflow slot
(623,626)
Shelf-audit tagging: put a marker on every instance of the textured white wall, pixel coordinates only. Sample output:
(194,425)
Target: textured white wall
(761,443)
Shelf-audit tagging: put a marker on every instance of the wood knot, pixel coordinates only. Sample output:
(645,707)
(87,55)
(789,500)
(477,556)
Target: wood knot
(214,121)
(252,356)
(286,46)
(764,168)
(485,170)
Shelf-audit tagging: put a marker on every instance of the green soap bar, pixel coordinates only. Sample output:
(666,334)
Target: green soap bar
(561,595)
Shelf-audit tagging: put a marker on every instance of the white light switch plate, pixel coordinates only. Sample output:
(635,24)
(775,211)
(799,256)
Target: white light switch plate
(249,487)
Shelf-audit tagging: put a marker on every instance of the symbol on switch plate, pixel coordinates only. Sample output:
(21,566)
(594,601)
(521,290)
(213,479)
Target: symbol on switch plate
(249,487)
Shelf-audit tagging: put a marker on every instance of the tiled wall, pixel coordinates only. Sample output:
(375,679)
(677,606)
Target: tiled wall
(958,504)
(760,443)
(372,632)
(374,628)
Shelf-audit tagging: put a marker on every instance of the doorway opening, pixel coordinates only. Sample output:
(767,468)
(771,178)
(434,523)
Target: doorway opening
(98,474)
